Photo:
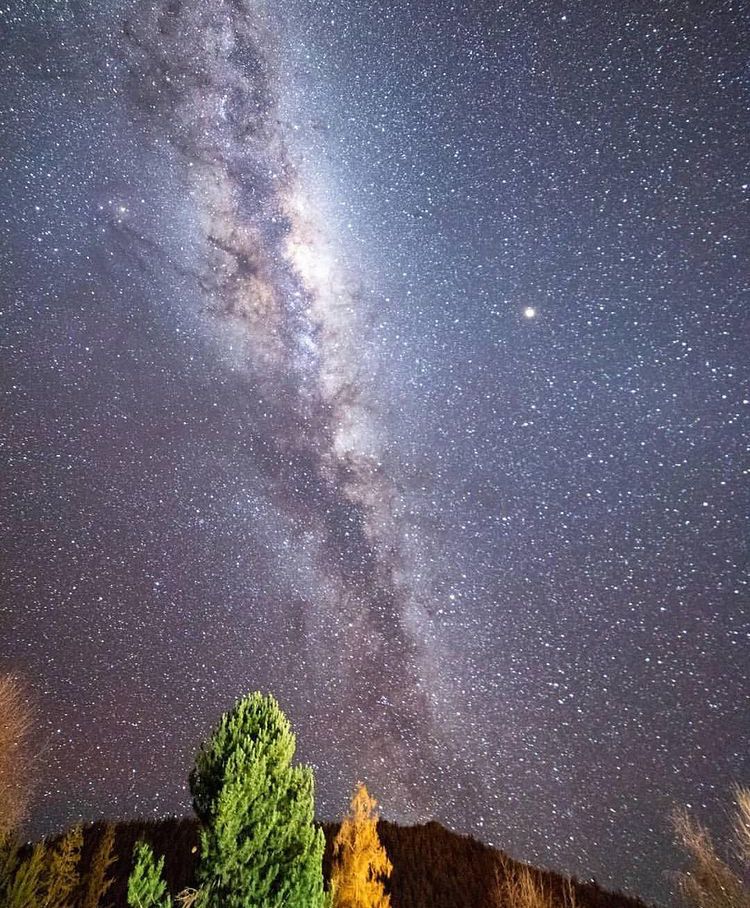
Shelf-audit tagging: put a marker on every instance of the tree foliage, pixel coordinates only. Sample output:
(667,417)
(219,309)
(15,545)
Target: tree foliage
(62,869)
(98,881)
(360,863)
(146,886)
(259,844)
(25,883)
(8,864)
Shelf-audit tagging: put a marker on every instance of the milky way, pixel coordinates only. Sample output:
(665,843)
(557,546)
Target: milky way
(392,358)
(199,74)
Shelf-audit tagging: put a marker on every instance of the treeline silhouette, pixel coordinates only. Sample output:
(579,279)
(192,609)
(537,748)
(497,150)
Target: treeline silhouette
(254,841)
(432,866)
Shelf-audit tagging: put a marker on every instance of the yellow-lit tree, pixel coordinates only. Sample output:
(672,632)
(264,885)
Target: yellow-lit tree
(62,869)
(15,723)
(98,881)
(360,863)
(709,882)
(22,882)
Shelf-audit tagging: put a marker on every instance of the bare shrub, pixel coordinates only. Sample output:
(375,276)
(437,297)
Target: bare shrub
(709,882)
(15,774)
(518,886)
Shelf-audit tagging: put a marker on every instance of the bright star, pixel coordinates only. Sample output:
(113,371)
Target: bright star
(529,312)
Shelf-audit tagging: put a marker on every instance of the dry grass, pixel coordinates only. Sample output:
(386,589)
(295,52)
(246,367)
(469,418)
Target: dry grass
(519,886)
(709,882)
(741,825)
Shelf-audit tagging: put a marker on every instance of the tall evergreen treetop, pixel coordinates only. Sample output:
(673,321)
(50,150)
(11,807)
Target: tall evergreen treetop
(259,844)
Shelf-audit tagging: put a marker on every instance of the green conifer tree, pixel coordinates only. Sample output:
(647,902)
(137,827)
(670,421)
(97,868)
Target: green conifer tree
(146,886)
(259,844)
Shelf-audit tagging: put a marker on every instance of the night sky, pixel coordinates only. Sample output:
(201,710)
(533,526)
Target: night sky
(391,357)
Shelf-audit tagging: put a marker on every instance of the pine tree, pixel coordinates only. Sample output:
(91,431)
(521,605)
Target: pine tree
(97,883)
(62,869)
(360,863)
(259,844)
(146,886)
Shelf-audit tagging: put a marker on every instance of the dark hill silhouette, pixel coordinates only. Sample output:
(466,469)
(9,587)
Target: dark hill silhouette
(432,866)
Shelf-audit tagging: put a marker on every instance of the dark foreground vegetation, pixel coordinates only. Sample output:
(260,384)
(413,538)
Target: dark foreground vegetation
(432,867)
(254,842)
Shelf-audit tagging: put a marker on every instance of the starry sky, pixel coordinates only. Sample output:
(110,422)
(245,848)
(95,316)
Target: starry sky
(391,357)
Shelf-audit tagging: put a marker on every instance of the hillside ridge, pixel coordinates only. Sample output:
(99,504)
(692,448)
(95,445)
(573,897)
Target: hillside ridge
(433,867)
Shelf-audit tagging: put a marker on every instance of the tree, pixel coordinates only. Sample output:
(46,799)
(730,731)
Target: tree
(146,886)
(9,847)
(97,883)
(360,863)
(21,881)
(709,882)
(259,844)
(62,869)
(25,884)
(15,723)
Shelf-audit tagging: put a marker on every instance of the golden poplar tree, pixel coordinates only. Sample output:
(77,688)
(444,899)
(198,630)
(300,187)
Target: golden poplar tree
(360,863)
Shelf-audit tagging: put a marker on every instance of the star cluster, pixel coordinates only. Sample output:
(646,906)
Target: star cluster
(393,358)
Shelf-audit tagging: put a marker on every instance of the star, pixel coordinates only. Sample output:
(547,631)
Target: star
(279,417)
